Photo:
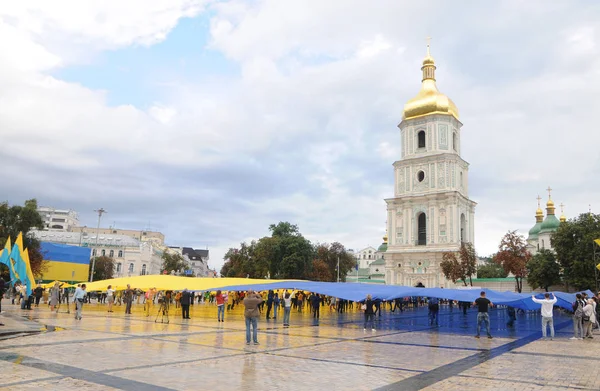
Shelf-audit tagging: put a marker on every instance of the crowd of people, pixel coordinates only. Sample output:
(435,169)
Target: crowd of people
(271,303)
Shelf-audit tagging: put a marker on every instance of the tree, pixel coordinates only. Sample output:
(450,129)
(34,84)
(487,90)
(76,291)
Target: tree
(543,270)
(329,255)
(513,256)
(451,267)
(460,265)
(491,269)
(173,262)
(574,246)
(103,269)
(15,219)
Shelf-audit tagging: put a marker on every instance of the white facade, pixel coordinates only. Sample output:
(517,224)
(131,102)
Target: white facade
(431,212)
(58,219)
(197,260)
(132,257)
(365,257)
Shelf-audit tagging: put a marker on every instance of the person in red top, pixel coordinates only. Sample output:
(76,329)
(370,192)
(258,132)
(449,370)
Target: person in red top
(220,306)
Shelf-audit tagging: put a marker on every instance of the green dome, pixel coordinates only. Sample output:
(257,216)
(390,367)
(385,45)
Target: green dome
(550,224)
(383,247)
(534,232)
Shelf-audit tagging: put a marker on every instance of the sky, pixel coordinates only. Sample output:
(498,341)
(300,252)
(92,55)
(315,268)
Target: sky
(211,120)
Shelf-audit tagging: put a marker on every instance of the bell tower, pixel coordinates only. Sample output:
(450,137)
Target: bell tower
(430,212)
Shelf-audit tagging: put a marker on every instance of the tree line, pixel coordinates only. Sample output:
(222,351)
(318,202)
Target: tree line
(287,254)
(572,262)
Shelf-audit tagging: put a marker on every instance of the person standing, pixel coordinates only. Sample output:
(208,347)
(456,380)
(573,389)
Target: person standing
(287,307)
(186,298)
(54,296)
(315,302)
(38,292)
(251,314)
(220,306)
(269,304)
(434,309)
(589,318)
(78,298)
(578,317)
(276,304)
(547,319)
(369,313)
(2,289)
(483,304)
(128,299)
(110,296)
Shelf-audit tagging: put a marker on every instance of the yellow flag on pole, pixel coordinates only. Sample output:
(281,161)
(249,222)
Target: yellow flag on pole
(597,242)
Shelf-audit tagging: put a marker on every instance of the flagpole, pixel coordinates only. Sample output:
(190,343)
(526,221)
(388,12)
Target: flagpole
(100,212)
(338,268)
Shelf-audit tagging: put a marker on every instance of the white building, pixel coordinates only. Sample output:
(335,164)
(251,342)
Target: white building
(58,219)
(196,259)
(132,257)
(430,212)
(365,256)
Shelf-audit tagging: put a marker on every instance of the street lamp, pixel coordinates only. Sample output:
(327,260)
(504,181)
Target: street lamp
(100,212)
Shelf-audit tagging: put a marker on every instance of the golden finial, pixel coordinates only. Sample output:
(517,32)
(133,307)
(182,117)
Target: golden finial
(539,200)
(428,43)
(550,203)
(563,218)
(539,213)
(385,237)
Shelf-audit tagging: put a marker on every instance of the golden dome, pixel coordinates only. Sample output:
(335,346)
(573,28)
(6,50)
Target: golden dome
(563,218)
(429,100)
(550,204)
(385,238)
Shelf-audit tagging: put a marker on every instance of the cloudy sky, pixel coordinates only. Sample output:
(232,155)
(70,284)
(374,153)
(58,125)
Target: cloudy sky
(210,120)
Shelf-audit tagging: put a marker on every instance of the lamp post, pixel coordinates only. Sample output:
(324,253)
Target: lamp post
(100,212)
(595,259)
(338,269)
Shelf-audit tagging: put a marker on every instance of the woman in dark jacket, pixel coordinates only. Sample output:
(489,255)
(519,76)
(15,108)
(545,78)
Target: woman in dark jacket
(369,313)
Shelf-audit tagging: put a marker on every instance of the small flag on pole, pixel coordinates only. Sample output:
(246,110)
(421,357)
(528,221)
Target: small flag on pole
(597,242)
(598,266)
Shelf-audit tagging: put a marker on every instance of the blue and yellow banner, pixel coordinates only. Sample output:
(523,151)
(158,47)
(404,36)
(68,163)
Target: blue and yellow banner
(66,263)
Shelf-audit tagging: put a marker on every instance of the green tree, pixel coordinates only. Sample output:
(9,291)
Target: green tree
(15,219)
(451,268)
(103,269)
(543,270)
(513,256)
(574,246)
(173,262)
(490,269)
(327,255)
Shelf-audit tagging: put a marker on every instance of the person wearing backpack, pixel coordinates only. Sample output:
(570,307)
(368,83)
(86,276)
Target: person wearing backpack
(578,317)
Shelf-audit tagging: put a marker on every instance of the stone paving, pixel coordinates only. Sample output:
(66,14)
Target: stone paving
(40,349)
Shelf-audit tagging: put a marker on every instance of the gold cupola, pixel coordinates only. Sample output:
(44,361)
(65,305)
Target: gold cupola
(563,218)
(429,100)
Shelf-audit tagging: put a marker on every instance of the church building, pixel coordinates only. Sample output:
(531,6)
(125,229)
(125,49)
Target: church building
(540,235)
(430,212)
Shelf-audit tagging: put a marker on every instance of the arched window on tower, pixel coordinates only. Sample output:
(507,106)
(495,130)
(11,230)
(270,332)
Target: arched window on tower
(421,139)
(422,230)
(454,144)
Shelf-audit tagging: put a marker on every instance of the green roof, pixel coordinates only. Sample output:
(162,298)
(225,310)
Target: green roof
(378,262)
(382,248)
(533,232)
(550,224)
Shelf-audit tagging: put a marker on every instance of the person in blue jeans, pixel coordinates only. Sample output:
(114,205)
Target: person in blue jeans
(482,304)
(251,314)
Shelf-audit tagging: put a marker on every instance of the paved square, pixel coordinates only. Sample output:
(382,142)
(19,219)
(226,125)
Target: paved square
(108,351)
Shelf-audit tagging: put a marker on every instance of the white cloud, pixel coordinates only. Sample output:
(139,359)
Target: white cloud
(320,93)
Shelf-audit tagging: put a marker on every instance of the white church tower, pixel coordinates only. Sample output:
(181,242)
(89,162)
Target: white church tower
(431,212)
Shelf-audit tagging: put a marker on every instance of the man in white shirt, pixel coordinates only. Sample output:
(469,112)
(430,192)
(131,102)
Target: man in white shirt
(547,306)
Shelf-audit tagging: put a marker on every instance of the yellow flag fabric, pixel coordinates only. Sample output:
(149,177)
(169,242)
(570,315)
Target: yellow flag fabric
(51,284)
(597,242)
(28,267)
(598,266)
(175,283)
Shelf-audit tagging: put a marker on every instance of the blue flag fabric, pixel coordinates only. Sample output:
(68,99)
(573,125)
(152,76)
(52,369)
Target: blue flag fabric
(20,268)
